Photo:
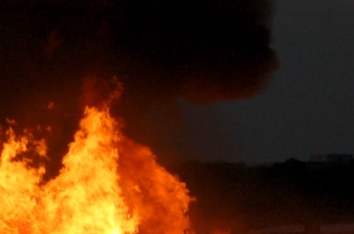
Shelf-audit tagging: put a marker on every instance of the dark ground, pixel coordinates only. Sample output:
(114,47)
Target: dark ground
(248,198)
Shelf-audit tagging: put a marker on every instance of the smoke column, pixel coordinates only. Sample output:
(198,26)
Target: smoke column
(204,51)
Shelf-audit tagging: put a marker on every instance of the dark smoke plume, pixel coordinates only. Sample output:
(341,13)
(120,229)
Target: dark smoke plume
(201,50)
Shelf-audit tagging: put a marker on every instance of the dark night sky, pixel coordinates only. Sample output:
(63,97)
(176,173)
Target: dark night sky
(213,54)
(308,108)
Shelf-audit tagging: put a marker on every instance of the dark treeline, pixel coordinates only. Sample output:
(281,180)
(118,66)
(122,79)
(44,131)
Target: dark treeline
(248,198)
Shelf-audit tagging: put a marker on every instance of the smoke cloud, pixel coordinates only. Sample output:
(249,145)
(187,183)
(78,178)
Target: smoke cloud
(201,50)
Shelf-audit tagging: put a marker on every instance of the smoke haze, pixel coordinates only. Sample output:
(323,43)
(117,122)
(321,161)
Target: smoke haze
(203,51)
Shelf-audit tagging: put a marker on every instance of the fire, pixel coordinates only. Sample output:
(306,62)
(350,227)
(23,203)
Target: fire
(108,185)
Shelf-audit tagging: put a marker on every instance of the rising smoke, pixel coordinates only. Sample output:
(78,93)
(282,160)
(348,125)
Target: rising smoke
(201,50)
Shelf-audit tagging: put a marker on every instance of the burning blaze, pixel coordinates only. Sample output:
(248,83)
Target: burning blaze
(108,185)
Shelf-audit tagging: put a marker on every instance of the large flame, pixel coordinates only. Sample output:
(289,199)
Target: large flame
(108,185)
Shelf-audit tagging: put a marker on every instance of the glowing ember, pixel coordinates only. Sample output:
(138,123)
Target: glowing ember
(108,185)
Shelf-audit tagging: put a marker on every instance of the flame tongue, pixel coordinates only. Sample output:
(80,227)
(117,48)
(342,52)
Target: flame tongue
(85,197)
(92,193)
(18,188)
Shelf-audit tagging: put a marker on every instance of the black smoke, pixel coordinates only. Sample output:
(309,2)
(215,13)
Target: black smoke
(202,50)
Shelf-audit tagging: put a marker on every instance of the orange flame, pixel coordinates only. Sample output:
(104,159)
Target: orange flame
(108,185)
